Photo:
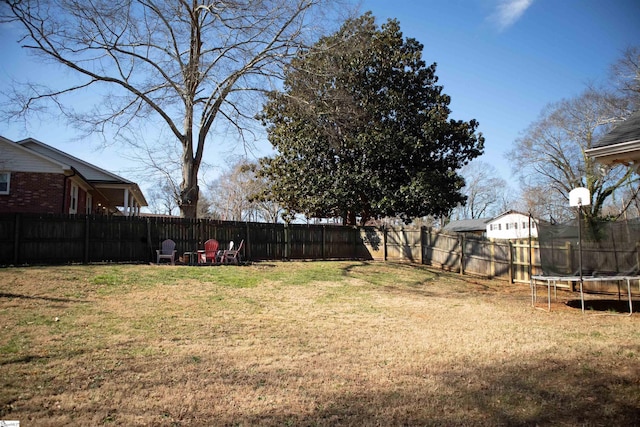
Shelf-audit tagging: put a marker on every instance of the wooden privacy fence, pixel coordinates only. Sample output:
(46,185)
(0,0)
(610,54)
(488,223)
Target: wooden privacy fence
(510,260)
(50,239)
(56,239)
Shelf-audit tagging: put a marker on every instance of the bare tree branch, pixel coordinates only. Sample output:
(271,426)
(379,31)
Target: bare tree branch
(184,62)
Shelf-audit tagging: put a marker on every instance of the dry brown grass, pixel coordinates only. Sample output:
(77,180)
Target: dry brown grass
(304,344)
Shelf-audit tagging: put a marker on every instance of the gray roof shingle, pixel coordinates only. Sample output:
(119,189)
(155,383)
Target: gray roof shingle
(628,130)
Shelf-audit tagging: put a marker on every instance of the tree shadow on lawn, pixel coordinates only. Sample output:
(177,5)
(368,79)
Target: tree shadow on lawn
(547,393)
(210,390)
(552,392)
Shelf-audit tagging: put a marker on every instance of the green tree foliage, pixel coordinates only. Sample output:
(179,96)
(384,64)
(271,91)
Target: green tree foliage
(361,129)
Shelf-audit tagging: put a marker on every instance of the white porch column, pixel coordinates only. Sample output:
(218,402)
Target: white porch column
(126,202)
(132,204)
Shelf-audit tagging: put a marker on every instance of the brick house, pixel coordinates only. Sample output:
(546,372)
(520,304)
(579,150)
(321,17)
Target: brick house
(37,178)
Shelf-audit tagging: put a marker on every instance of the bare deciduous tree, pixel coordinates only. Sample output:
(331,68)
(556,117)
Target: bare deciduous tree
(625,74)
(232,195)
(550,157)
(187,62)
(485,192)
(162,199)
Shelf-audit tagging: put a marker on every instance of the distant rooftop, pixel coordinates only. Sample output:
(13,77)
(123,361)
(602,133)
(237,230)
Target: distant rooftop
(467,225)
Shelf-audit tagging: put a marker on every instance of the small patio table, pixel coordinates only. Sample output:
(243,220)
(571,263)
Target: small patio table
(191,258)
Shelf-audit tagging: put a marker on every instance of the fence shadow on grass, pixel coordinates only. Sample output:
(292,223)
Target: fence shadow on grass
(9,295)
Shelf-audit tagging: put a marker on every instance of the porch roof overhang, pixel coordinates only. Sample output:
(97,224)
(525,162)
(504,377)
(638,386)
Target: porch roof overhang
(621,153)
(621,145)
(116,192)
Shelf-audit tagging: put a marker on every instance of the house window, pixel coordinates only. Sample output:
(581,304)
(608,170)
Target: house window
(89,206)
(4,182)
(73,203)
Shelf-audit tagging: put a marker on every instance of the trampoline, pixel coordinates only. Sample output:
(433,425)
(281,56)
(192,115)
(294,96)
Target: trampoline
(552,281)
(584,256)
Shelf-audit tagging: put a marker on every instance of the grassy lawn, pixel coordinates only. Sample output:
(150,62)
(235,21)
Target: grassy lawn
(304,344)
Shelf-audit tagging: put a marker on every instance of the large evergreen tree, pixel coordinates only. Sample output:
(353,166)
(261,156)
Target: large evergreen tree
(361,129)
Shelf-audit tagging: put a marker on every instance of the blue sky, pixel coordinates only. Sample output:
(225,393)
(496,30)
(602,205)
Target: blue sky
(501,61)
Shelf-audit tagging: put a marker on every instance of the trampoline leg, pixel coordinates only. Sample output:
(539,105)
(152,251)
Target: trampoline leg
(630,302)
(533,292)
(581,296)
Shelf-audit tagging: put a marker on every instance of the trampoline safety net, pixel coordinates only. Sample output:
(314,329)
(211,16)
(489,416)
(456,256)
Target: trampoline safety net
(608,248)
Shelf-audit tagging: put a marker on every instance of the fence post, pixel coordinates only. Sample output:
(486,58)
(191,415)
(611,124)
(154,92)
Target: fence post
(247,242)
(356,237)
(530,271)
(461,243)
(149,242)
(430,246)
(324,242)
(569,250)
(384,242)
(287,248)
(16,238)
(422,231)
(511,262)
(86,239)
(492,261)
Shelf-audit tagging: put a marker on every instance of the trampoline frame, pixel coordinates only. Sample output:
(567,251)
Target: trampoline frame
(553,281)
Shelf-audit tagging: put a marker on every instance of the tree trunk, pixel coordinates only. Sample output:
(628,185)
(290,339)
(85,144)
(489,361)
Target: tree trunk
(189,191)
(189,195)
(351,218)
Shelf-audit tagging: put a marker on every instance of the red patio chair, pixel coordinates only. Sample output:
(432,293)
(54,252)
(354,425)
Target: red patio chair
(210,253)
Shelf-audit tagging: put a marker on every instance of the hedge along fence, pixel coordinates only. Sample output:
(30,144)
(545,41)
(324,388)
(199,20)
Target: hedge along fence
(60,239)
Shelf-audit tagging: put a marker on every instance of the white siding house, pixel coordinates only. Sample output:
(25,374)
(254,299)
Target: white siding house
(511,225)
